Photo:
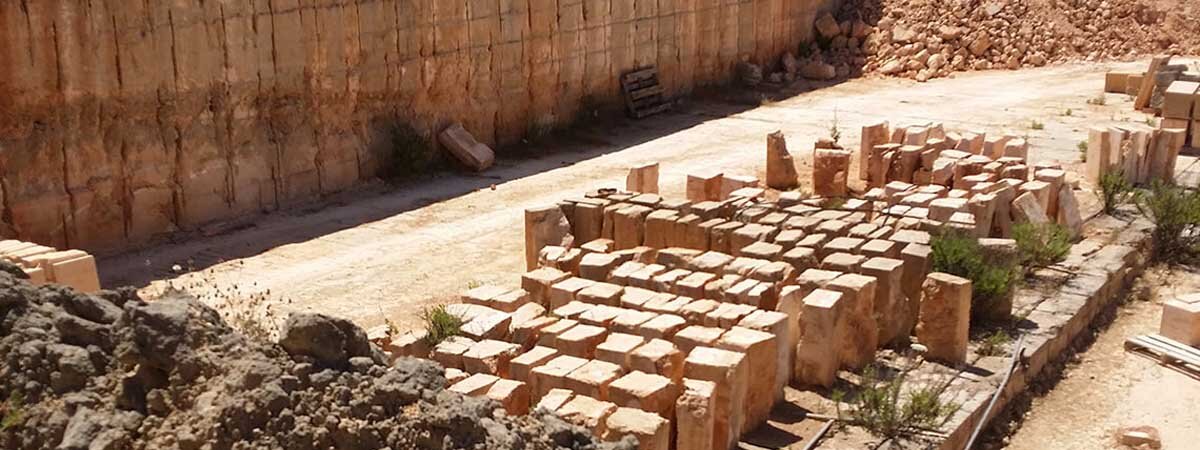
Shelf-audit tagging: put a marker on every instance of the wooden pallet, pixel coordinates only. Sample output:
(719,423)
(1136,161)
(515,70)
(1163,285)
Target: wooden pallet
(644,95)
(1168,352)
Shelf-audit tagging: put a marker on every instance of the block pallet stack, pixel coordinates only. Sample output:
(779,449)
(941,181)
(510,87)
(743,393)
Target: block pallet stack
(47,265)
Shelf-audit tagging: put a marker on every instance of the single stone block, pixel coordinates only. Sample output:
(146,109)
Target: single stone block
(697,336)
(730,375)
(554,399)
(538,282)
(817,356)
(704,186)
(544,226)
(629,226)
(597,266)
(776,324)
(512,395)
(843,262)
(572,310)
(528,332)
(522,366)
(587,412)
(553,374)
(581,340)
(665,282)
(945,320)
(801,258)
(652,432)
(449,352)
(860,335)
(1068,211)
(645,391)
(659,357)
(761,359)
(644,278)
(548,335)
(490,357)
(600,315)
(566,291)
(660,224)
(475,385)
(1027,208)
(630,321)
(693,284)
(695,311)
(643,178)
(1181,320)
(695,415)
(618,347)
(592,379)
(664,326)
(891,307)
(413,343)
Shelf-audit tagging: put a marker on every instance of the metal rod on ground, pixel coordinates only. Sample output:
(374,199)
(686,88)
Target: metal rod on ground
(1012,367)
(820,434)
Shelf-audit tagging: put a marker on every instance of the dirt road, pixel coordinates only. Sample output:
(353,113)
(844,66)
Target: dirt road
(1105,389)
(384,253)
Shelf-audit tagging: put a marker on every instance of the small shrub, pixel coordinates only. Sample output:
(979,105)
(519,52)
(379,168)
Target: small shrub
(440,324)
(1114,190)
(474,284)
(1042,245)
(411,153)
(1037,125)
(1176,215)
(1068,112)
(1150,122)
(884,408)
(994,344)
(835,132)
(13,411)
(1098,100)
(1082,146)
(992,279)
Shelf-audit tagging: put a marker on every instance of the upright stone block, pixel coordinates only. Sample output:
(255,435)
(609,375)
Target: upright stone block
(728,372)
(830,172)
(704,186)
(781,168)
(618,347)
(891,307)
(1181,320)
(860,335)
(945,320)
(695,416)
(538,282)
(761,359)
(659,357)
(629,226)
(817,356)
(544,226)
(587,412)
(652,432)
(872,135)
(645,391)
(643,178)
(592,379)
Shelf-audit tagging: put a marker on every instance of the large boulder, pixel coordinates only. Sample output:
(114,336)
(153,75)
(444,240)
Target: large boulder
(328,340)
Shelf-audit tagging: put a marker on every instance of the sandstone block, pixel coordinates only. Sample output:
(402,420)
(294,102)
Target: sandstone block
(645,391)
(548,335)
(597,266)
(566,291)
(872,135)
(521,367)
(465,148)
(490,357)
(629,226)
(553,374)
(449,352)
(475,385)
(587,412)
(860,335)
(945,319)
(817,355)
(1027,208)
(695,415)
(1068,211)
(660,357)
(581,340)
(512,395)
(618,347)
(830,172)
(704,187)
(592,379)
(781,169)
(630,321)
(601,294)
(1181,320)
(600,315)
(730,375)
(652,431)
(643,178)
(538,282)
(761,360)
(544,226)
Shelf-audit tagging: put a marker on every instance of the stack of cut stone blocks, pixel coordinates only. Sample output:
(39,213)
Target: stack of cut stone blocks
(47,265)
(970,181)
(681,321)
(1141,153)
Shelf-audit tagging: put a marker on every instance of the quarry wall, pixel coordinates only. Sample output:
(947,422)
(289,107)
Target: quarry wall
(123,120)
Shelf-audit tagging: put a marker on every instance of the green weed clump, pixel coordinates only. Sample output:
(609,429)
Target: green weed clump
(440,324)
(1175,212)
(992,279)
(994,344)
(886,409)
(1042,245)
(1115,190)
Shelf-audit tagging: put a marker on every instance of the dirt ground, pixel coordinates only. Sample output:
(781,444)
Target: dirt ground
(384,252)
(1105,389)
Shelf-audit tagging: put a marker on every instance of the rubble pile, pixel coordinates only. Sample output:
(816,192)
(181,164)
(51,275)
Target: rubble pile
(926,39)
(111,371)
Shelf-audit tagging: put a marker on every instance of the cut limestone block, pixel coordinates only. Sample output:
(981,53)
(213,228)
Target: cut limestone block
(554,399)
(453,376)
(474,385)
(1181,320)
(664,326)
(522,366)
(695,415)
(776,324)
(652,431)
(665,282)
(601,294)
(1027,208)
(592,379)
(572,310)
(490,357)
(1068,211)
(587,412)
(801,258)
(488,326)
(644,278)
(945,320)
(817,356)
(581,340)
(630,321)
(645,391)
(618,347)
(891,307)
(512,395)
(660,224)
(872,135)
(693,284)
(729,373)
(659,357)
(472,153)
(629,226)
(548,335)
(781,168)
(830,172)
(643,178)
(704,186)
(449,352)
(761,359)
(545,226)
(732,183)
(600,315)
(538,282)
(1099,152)
(553,374)
(566,291)
(860,335)
(1179,99)
(697,336)
(597,266)
(918,262)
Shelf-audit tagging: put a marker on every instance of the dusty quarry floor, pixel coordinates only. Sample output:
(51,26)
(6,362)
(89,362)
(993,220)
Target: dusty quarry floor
(385,252)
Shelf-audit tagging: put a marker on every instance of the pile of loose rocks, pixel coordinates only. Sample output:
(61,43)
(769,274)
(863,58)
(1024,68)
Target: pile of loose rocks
(110,371)
(926,39)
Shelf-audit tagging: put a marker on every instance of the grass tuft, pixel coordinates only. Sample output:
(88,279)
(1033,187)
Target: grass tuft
(1042,245)
(1175,212)
(440,324)
(887,409)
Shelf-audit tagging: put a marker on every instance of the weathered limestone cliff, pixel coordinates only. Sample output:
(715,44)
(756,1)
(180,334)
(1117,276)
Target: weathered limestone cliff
(121,120)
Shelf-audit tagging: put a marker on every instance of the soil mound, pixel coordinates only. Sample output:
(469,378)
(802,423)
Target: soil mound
(112,371)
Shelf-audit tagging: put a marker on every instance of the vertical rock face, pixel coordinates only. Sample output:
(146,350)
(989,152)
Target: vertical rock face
(125,120)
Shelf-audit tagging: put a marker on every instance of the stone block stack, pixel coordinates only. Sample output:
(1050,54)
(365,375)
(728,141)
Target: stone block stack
(48,265)
(1141,153)
(923,174)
